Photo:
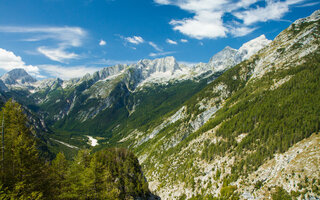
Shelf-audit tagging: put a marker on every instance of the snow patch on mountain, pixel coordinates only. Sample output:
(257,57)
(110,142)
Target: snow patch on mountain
(92,141)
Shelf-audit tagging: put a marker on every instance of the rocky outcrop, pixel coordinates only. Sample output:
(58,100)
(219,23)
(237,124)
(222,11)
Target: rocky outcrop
(298,166)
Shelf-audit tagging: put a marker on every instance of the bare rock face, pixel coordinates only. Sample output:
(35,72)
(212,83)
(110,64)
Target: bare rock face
(167,64)
(223,59)
(288,170)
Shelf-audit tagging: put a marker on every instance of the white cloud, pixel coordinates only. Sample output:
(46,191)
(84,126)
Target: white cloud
(209,22)
(273,11)
(163,2)
(68,72)
(66,37)
(155,46)
(196,6)
(241,31)
(171,41)
(69,36)
(241,4)
(9,61)
(184,40)
(138,40)
(204,25)
(58,54)
(135,39)
(308,4)
(161,54)
(102,43)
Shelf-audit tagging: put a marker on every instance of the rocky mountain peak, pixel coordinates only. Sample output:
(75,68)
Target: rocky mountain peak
(166,64)
(229,57)
(314,17)
(223,59)
(252,47)
(17,73)
(111,71)
(17,76)
(226,51)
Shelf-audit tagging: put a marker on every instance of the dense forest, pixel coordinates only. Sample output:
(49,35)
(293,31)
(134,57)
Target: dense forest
(107,174)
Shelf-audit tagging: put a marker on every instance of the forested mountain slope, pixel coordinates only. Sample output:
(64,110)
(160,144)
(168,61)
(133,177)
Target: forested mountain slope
(251,113)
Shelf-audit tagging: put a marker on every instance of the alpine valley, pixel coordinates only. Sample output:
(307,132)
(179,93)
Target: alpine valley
(245,125)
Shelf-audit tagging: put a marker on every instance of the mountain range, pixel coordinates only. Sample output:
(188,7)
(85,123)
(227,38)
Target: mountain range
(244,125)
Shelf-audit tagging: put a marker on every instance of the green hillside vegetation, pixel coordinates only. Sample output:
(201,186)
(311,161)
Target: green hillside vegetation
(151,105)
(272,117)
(155,104)
(108,174)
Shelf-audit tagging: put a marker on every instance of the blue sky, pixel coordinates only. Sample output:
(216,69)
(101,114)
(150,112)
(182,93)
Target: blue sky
(68,38)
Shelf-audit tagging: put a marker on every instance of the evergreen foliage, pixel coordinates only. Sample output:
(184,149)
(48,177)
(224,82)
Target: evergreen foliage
(281,194)
(106,174)
(23,173)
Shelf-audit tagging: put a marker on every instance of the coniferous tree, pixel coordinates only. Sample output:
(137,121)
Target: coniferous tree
(22,171)
(109,174)
(59,167)
(75,183)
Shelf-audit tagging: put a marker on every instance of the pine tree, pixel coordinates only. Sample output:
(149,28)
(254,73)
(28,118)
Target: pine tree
(75,187)
(22,172)
(59,167)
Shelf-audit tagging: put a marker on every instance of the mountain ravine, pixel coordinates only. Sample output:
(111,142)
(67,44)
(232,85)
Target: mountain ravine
(245,125)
